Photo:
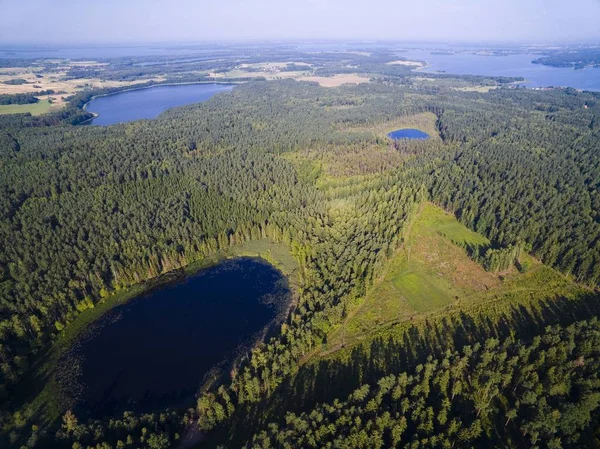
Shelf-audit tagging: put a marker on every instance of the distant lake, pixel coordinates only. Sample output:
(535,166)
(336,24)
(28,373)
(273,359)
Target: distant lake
(149,102)
(153,351)
(408,133)
(536,75)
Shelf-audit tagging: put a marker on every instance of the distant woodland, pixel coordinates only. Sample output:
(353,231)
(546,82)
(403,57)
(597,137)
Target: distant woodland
(577,59)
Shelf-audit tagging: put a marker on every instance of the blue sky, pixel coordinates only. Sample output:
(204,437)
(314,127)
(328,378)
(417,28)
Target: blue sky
(85,21)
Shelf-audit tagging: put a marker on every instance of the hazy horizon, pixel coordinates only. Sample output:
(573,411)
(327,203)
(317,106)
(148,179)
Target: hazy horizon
(67,22)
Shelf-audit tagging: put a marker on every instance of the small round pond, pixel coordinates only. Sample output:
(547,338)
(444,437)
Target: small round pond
(408,133)
(155,350)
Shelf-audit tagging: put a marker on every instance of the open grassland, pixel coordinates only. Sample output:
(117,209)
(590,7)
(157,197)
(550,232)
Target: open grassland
(41,107)
(277,254)
(431,277)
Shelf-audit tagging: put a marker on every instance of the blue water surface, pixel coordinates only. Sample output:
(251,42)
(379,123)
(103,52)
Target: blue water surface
(150,102)
(511,65)
(153,351)
(408,133)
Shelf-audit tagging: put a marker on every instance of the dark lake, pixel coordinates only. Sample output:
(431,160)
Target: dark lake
(408,133)
(150,102)
(155,350)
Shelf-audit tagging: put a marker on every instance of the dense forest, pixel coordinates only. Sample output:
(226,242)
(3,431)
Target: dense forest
(89,211)
(544,393)
(18,99)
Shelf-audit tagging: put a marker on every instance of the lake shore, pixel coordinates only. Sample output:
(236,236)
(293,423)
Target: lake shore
(159,84)
(132,104)
(39,392)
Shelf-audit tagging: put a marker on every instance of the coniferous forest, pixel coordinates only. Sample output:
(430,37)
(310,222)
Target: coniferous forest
(89,212)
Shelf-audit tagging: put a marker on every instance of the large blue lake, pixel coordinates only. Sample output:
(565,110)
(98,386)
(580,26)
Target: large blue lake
(153,351)
(150,102)
(536,75)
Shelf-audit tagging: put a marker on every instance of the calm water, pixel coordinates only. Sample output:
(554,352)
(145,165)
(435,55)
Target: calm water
(154,351)
(100,51)
(149,103)
(536,75)
(408,133)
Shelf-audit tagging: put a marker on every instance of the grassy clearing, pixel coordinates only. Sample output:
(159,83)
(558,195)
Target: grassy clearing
(277,254)
(39,108)
(39,396)
(424,121)
(445,224)
(362,161)
(432,277)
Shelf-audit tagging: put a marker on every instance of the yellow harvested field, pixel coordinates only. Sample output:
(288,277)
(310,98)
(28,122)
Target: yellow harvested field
(336,80)
(14,70)
(57,82)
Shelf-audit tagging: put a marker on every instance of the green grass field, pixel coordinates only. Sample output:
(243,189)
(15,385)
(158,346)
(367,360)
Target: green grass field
(39,108)
(432,276)
(277,254)
(436,220)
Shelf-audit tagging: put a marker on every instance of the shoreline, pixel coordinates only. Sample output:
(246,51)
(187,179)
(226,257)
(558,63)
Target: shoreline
(84,107)
(46,398)
(71,390)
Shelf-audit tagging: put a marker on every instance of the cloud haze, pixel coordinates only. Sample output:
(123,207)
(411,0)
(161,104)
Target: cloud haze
(80,21)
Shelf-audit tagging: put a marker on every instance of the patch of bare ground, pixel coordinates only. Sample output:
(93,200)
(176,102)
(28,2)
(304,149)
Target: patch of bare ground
(336,80)
(407,63)
(57,81)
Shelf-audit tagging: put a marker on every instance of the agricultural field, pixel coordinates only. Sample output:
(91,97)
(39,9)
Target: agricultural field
(38,78)
(336,80)
(41,107)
